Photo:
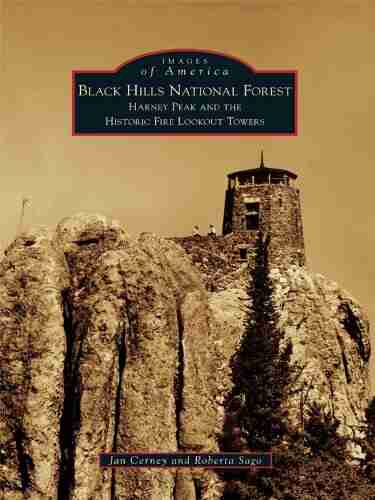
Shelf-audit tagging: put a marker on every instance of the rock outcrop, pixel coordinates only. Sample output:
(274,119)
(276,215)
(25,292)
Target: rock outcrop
(111,343)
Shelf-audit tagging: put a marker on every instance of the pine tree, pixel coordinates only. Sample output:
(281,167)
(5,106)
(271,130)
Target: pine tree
(261,374)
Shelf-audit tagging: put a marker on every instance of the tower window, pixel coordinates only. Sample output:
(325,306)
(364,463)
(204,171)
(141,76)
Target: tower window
(252,216)
(243,253)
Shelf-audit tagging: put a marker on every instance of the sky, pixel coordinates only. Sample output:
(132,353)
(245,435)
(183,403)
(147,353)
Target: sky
(166,185)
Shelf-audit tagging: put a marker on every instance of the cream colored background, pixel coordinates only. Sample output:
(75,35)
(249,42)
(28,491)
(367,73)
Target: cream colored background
(166,185)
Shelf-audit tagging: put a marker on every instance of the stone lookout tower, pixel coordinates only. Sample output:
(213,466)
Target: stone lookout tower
(265,199)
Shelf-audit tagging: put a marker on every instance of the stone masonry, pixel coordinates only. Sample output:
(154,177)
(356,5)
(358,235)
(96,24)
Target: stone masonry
(261,199)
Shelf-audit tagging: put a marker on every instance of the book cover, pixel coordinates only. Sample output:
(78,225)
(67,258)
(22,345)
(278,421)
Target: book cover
(187,192)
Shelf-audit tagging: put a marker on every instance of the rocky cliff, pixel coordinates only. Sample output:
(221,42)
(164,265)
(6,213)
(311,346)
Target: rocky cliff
(112,343)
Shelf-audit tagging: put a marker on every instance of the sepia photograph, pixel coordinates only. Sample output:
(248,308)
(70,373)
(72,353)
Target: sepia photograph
(186,250)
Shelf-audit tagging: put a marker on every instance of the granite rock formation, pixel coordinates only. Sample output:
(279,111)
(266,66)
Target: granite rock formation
(112,343)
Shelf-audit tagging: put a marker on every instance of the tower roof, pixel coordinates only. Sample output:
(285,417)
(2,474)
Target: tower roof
(262,171)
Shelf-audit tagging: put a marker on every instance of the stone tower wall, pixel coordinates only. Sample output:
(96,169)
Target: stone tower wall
(280,216)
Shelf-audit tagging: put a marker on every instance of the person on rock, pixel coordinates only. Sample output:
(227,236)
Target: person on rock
(211,230)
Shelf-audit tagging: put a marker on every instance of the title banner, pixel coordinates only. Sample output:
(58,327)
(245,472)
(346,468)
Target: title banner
(184,92)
